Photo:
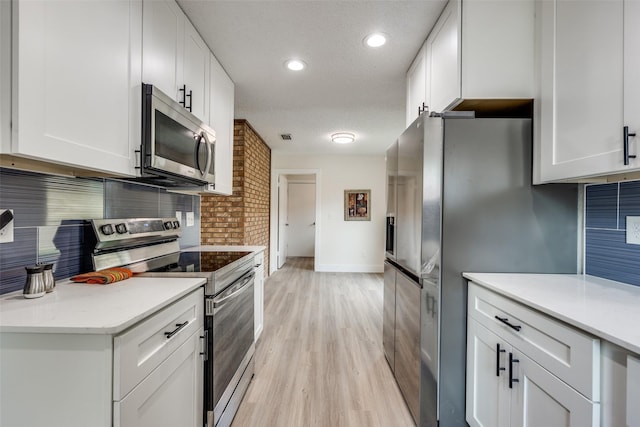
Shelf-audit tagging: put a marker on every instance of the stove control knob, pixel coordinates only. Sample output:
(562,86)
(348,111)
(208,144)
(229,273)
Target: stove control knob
(107,229)
(121,228)
(168,225)
(176,224)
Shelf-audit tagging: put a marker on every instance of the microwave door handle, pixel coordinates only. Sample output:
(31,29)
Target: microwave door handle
(207,167)
(197,152)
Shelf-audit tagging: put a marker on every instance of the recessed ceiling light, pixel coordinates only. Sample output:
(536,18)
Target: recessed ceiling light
(375,39)
(343,138)
(295,64)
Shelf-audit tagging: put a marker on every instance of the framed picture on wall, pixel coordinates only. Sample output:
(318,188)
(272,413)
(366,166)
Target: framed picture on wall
(357,205)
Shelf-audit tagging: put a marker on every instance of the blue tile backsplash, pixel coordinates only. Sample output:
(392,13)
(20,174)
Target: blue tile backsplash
(607,254)
(49,210)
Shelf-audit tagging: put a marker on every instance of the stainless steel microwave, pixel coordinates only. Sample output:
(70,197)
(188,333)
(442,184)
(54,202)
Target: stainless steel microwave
(177,149)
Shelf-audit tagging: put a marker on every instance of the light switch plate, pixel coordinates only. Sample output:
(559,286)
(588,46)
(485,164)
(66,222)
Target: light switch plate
(179,216)
(633,230)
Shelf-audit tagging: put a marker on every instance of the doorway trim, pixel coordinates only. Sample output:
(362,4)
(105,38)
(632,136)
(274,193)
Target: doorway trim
(273,249)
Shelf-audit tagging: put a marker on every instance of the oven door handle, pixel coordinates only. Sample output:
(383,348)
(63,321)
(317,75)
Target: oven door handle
(222,299)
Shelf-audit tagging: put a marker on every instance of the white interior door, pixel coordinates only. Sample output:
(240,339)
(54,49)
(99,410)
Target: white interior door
(283,220)
(302,219)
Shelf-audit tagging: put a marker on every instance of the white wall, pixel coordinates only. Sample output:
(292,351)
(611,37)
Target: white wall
(347,246)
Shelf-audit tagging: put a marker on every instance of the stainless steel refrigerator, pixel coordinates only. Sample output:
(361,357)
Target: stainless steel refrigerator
(460,199)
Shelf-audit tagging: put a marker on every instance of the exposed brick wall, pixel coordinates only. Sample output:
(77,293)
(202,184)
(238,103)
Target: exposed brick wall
(243,217)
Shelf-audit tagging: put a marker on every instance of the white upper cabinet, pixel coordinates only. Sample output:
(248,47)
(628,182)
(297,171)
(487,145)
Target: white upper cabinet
(174,56)
(196,72)
(589,90)
(221,97)
(479,49)
(76,83)
(443,46)
(417,86)
(163,44)
(5,76)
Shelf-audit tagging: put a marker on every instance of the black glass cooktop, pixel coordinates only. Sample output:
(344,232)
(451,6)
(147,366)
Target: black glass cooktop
(197,262)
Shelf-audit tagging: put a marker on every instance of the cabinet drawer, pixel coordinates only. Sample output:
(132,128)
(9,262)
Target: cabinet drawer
(146,345)
(566,352)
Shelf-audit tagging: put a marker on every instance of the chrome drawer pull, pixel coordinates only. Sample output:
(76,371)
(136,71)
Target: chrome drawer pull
(175,331)
(505,320)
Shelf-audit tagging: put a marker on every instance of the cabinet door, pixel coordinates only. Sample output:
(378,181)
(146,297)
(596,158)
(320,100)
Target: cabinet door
(443,45)
(488,395)
(172,395)
(540,399)
(77,88)
(196,72)
(581,72)
(221,104)
(631,73)
(633,390)
(162,45)
(416,86)
(407,341)
(5,76)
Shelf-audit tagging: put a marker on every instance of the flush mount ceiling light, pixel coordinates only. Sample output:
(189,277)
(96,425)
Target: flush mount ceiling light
(343,138)
(375,39)
(295,64)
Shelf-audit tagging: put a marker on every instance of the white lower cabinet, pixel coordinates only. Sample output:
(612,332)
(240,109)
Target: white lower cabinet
(542,399)
(488,394)
(633,390)
(510,386)
(151,374)
(171,395)
(258,319)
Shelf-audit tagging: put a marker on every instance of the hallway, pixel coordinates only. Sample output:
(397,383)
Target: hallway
(319,361)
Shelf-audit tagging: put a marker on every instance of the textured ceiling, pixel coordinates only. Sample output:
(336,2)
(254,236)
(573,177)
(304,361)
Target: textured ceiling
(345,87)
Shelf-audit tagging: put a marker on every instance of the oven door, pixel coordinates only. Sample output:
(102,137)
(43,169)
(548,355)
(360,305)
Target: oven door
(175,142)
(233,339)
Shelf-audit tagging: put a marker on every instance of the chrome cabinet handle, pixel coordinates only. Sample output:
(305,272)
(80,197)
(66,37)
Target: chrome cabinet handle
(176,330)
(506,322)
(626,136)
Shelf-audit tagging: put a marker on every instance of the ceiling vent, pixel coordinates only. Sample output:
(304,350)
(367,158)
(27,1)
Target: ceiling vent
(285,136)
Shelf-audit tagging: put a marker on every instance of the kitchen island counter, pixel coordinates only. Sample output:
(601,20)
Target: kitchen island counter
(604,308)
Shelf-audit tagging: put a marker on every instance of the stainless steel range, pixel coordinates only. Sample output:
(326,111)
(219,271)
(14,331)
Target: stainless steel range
(150,247)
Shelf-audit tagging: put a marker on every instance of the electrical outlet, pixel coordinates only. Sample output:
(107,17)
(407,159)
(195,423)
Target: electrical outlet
(633,230)
(190,219)
(6,225)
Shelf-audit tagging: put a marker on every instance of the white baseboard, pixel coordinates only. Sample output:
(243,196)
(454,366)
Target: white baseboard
(350,268)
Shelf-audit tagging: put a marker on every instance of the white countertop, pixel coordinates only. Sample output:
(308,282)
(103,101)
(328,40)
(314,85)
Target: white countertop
(605,308)
(80,308)
(223,248)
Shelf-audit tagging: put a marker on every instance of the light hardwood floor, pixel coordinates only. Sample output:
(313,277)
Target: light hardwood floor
(319,361)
